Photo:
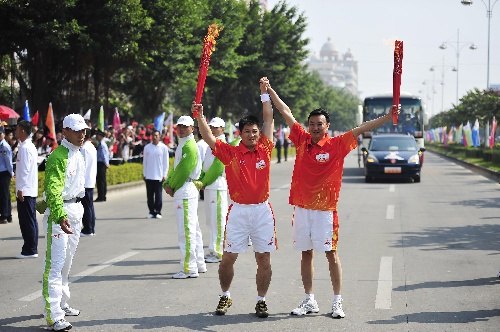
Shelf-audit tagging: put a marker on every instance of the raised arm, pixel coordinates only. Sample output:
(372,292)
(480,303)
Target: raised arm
(203,127)
(372,124)
(267,109)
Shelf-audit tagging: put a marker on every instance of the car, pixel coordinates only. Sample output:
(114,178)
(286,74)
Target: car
(393,156)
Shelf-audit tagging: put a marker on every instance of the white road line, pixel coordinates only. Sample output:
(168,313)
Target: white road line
(390,212)
(384,288)
(392,188)
(92,270)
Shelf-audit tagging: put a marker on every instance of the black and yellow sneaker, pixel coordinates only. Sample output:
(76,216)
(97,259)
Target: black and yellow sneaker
(261,309)
(224,304)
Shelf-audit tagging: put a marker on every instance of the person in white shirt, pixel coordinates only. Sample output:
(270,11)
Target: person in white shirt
(216,204)
(202,148)
(27,190)
(89,153)
(155,170)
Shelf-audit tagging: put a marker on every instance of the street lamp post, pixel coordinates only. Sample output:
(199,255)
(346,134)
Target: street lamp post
(489,13)
(443,70)
(458,48)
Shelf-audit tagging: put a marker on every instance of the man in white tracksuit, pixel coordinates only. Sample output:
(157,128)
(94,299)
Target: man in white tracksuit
(215,185)
(180,185)
(64,188)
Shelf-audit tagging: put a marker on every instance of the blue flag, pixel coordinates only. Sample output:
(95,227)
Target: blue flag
(26,115)
(159,122)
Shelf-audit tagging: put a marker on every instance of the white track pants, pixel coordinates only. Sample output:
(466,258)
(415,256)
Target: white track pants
(189,235)
(216,212)
(61,248)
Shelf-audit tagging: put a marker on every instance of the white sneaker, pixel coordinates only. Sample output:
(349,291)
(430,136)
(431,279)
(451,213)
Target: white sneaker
(150,216)
(158,216)
(60,325)
(68,311)
(212,258)
(306,307)
(202,269)
(337,311)
(182,275)
(85,234)
(21,256)
(498,275)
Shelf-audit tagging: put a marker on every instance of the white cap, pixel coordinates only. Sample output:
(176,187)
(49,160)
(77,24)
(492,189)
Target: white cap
(74,122)
(185,120)
(130,127)
(217,122)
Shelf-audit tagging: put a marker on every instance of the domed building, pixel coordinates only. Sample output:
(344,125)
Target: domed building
(335,69)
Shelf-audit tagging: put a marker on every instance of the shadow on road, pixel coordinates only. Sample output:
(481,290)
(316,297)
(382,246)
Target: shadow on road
(442,317)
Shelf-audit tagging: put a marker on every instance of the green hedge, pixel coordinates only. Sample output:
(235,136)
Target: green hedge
(491,156)
(117,174)
(128,172)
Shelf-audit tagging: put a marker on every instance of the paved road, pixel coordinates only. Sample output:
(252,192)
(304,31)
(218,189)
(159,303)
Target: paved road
(416,257)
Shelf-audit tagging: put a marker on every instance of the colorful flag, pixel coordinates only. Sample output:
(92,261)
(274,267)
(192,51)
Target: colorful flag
(100,121)
(87,115)
(475,134)
(467,135)
(445,137)
(493,130)
(34,120)
(117,125)
(51,124)
(26,115)
(487,135)
(159,122)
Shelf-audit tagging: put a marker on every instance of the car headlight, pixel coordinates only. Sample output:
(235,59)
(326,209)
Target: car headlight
(414,159)
(371,159)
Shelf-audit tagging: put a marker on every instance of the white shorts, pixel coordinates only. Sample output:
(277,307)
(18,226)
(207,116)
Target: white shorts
(250,220)
(314,229)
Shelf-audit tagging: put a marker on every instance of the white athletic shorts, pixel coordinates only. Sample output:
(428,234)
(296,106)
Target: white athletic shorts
(250,220)
(314,229)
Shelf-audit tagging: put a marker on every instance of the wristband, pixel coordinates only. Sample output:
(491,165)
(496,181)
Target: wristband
(265,97)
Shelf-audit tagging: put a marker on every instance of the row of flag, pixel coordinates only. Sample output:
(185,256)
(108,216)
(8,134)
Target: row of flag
(466,135)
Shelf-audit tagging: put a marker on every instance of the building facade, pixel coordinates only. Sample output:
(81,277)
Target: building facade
(335,69)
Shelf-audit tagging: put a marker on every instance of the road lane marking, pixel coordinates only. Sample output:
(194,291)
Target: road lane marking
(390,212)
(392,188)
(384,288)
(92,270)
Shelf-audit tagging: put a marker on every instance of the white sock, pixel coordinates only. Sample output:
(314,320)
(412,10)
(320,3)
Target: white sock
(261,298)
(226,294)
(337,298)
(310,297)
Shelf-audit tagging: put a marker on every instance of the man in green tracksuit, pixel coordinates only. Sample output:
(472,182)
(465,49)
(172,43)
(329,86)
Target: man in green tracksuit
(180,185)
(64,187)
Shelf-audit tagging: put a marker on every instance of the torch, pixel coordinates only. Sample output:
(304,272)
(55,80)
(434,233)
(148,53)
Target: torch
(396,78)
(208,48)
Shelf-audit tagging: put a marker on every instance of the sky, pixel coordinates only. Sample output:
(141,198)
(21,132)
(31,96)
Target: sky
(369,27)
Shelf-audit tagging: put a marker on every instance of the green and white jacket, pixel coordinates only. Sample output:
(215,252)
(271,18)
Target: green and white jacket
(187,168)
(64,179)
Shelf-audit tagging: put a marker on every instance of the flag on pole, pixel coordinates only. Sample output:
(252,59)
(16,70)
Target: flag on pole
(493,130)
(475,134)
(100,120)
(51,124)
(34,120)
(487,135)
(116,123)
(26,115)
(467,135)
(87,115)
(159,122)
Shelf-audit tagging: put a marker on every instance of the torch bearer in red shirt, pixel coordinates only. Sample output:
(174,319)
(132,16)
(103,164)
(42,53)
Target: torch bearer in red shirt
(396,78)
(208,48)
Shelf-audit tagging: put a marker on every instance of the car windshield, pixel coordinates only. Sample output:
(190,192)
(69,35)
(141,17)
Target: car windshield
(393,144)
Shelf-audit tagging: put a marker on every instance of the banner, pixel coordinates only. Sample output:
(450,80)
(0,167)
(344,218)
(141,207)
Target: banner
(51,124)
